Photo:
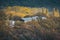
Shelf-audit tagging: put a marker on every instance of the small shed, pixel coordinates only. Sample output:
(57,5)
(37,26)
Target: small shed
(14,20)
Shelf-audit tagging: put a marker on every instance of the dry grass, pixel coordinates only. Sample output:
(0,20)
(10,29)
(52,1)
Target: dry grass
(48,29)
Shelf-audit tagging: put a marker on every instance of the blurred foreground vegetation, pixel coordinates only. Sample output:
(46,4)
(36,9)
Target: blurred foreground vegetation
(47,29)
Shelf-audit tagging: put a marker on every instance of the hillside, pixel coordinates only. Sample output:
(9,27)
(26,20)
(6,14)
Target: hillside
(18,11)
(22,11)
